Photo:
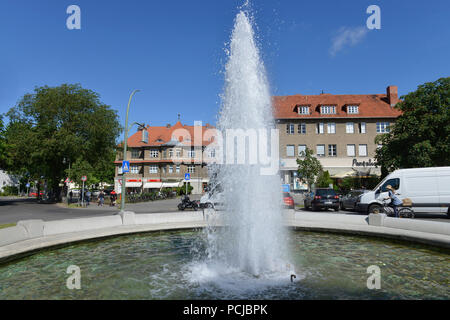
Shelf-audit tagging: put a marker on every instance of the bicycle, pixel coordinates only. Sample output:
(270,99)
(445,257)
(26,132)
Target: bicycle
(403,212)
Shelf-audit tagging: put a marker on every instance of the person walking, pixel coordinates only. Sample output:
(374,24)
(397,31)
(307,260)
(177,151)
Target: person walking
(113,197)
(101,198)
(395,201)
(88,197)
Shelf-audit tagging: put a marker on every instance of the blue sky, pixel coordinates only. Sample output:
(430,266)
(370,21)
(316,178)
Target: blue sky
(173,50)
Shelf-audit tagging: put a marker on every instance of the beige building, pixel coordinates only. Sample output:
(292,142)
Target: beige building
(161,156)
(340,129)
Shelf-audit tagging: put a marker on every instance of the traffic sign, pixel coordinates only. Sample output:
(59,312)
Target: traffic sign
(187,176)
(27,185)
(286,187)
(83,178)
(125,166)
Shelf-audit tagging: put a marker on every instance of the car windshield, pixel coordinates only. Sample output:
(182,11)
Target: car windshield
(325,192)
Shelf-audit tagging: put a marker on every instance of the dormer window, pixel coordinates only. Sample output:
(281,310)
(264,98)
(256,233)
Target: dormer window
(303,109)
(352,109)
(328,109)
(145,136)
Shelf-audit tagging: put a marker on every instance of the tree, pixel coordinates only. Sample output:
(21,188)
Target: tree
(82,168)
(324,180)
(2,144)
(54,124)
(421,135)
(309,168)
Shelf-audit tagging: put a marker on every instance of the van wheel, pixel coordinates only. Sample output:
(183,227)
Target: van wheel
(375,208)
(448,213)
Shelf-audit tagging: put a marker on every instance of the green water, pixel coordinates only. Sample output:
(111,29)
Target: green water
(164,266)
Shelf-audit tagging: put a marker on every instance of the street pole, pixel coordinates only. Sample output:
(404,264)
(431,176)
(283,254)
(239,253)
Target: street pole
(82,195)
(125,138)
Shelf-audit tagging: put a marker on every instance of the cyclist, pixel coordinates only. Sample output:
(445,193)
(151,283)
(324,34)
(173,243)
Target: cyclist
(395,201)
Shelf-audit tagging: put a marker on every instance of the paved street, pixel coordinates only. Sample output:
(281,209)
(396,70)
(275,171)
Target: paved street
(15,209)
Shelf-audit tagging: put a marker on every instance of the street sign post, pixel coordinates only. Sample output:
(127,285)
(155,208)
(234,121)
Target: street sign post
(83,178)
(187,177)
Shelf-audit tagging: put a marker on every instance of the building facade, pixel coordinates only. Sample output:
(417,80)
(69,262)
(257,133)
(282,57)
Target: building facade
(161,156)
(339,129)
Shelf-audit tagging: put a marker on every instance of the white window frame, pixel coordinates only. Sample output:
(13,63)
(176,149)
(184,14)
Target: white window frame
(320,128)
(290,128)
(301,149)
(191,153)
(354,150)
(288,147)
(327,109)
(383,127)
(154,153)
(153,168)
(303,109)
(362,154)
(178,153)
(352,109)
(302,128)
(191,168)
(170,169)
(350,127)
(362,128)
(177,169)
(331,128)
(170,153)
(317,150)
(134,169)
(135,153)
(334,153)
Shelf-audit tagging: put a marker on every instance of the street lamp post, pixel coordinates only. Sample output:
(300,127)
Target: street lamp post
(122,207)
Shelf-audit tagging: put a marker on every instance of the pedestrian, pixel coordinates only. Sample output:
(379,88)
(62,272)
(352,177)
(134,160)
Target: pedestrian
(101,198)
(88,197)
(70,196)
(395,201)
(113,197)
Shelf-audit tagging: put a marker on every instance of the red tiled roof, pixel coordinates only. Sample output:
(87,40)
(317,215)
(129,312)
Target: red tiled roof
(158,136)
(369,105)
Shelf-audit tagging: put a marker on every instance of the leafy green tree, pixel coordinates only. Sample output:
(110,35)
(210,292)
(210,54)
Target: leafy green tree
(2,144)
(309,167)
(82,168)
(324,180)
(421,135)
(57,125)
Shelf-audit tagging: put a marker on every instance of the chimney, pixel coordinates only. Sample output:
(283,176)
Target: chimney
(168,125)
(392,95)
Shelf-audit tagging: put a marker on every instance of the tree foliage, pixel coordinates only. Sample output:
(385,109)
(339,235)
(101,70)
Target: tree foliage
(57,125)
(324,180)
(309,167)
(421,135)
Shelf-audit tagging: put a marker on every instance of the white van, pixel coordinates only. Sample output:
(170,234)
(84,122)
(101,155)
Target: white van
(428,188)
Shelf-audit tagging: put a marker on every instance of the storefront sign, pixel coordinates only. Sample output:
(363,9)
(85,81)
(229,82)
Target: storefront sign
(357,163)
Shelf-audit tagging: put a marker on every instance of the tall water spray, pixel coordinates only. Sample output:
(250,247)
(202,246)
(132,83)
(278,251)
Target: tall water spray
(253,241)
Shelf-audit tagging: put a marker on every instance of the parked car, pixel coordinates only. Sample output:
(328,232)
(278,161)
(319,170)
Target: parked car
(34,194)
(350,200)
(427,188)
(322,198)
(288,200)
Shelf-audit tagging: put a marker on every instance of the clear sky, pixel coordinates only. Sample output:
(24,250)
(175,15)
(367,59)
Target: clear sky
(174,50)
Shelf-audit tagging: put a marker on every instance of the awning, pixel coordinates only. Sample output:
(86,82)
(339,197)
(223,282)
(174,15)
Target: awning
(170,184)
(134,184)
(152,185)
(343,174)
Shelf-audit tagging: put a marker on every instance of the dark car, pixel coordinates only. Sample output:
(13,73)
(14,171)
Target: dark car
(322,198)
(350,200)
(288,200)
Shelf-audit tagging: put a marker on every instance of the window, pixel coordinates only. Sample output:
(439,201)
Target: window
(352,110)
(164,154)
(332,150)
(301,150)
(290,128)
(303,110)
(191,168)
(177,169)
(362,150)
(120,170)
(290,150)
(320,150)
(191,153)
(134,169)
(383,127)
(351,150)
(362,127)
(331,127)
(350,128)
(212,153)
(171,153)
(328,109)
(153,168)
(145,136)
(319,128)
(154,153)
(178,153)
(170,169)
(135,153)
(394,183)
(302,128)
(163,169)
